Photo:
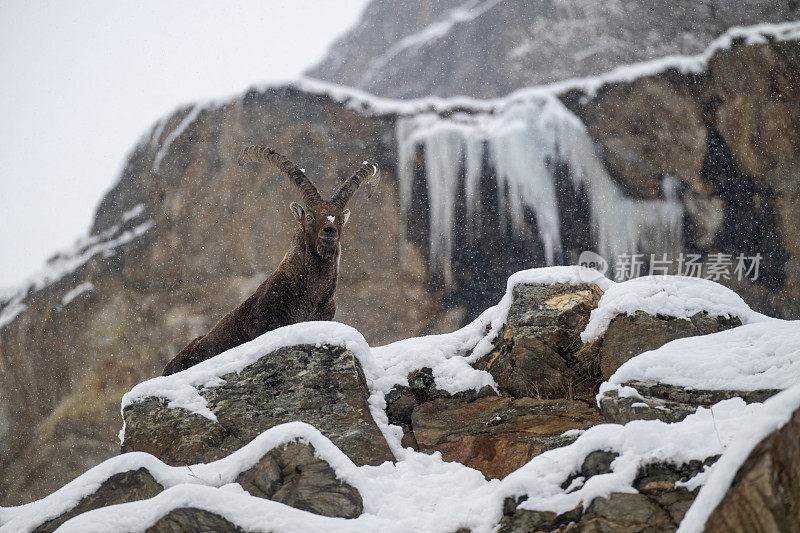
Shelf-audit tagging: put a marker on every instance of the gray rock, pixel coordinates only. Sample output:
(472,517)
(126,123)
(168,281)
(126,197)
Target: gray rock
(191,519)
(120,488)
(536,355)
(629,335)
(598,462)
(669,403)
(625,513)
(294,476)
(323,386)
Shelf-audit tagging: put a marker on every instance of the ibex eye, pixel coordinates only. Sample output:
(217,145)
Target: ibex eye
(309,217)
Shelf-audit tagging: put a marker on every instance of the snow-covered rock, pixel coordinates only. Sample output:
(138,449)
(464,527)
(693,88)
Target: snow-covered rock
(311,372)
(646,472)
(752,362)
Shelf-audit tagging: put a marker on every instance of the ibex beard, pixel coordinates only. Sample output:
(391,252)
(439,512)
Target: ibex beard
(303,285)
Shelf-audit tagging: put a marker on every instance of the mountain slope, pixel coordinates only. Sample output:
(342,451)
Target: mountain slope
(186,235)
(488,48)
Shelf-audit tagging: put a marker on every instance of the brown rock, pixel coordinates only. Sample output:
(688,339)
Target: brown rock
(497,435)
(658,131)
(765,494)
(536,354)
(294,476)
(120,488)
(758,104)
(322,386)
(629,335)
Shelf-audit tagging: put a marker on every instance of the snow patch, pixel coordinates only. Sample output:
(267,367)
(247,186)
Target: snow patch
(182,390)
(77,291)
(772,416)
(758,356)
(132,213)
(190,117)
(12,310)
(451,354)
(675,296)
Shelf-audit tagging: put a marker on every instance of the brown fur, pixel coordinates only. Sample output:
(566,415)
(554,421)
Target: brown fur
(303,285)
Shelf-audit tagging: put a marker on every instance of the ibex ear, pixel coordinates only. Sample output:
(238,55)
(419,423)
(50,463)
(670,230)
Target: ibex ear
(345,216)
(297,211)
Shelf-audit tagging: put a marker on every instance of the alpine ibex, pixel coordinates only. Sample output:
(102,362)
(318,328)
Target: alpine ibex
(302,286)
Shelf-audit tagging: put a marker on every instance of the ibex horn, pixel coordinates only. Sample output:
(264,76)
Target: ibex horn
(346,190)
(262,154)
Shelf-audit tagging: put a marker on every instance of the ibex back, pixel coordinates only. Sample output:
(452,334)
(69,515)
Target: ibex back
(303,285)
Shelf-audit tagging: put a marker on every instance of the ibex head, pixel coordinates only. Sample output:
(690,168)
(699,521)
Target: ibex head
(320,221)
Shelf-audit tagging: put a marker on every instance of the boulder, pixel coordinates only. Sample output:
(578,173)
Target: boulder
(294,476)
(192,519)
(629,335)
(535,354)
(322,386)
(497,435)
(670,403)
(120,488)
(765,494)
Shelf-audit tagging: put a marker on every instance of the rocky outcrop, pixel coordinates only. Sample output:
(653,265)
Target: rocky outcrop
(538,352)
(322,386)
(765,494)
(659,505)
(629,335)
(669,403)
(497,435)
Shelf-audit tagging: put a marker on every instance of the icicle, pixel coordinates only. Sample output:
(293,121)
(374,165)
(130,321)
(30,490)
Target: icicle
(524,139)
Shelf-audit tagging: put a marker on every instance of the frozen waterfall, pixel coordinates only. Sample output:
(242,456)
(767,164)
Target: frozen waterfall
(522,141)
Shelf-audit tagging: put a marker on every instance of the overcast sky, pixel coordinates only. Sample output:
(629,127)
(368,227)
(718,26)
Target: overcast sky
(83,80)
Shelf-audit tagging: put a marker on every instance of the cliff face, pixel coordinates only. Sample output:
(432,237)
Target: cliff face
(186,235)
(487,48)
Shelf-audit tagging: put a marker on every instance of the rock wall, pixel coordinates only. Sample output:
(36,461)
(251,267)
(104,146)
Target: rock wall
(730,136)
